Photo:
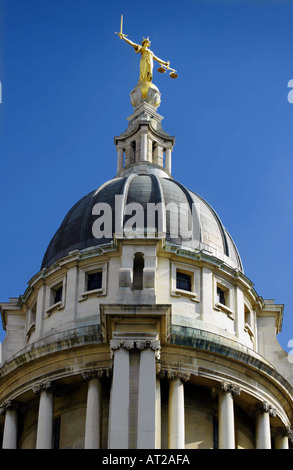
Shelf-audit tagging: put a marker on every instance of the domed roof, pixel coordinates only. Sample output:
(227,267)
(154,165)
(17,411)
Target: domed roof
(182,210)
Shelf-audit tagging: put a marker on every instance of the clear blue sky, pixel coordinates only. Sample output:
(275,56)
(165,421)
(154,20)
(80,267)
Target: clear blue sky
(66,79)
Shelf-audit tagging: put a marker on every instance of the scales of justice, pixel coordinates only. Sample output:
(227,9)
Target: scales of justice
(145,89)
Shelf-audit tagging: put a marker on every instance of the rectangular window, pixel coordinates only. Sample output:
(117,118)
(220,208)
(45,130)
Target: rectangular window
(183,281)
(58,295)
(94,281)
(221,298)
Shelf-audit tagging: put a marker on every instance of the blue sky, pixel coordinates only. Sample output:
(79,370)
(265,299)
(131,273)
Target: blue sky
(66,79)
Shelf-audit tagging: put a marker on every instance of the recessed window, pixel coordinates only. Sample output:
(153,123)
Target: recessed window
(94,281)
(138,265)
(224,297)
(31,320)
(247,317)
(183,281)
(221,296)
(58,292)
(57,297)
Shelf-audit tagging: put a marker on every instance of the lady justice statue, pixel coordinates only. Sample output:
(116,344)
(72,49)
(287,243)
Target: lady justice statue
(146,64)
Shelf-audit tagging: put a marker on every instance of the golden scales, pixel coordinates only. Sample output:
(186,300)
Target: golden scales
(172,74)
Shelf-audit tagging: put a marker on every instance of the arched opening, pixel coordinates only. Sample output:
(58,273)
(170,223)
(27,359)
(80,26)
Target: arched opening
(138,265)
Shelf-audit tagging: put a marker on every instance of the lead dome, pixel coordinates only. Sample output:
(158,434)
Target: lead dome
(146,187)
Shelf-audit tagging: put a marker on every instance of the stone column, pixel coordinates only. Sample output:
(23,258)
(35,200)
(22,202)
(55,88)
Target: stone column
(282,438)
(120,159)
(226,415)
(144,147)
(158,413)
(9,408)
(176,421)
(263,431)
(46,415)
(168,159)
(92,439)
(119,400)
(146,419)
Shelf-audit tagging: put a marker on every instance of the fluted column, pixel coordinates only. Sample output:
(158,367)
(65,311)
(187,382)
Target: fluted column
(282,438)
(176,420)
(9,408)
(119,399)
(226,415)
(46,415)
(146,419)
(263,430)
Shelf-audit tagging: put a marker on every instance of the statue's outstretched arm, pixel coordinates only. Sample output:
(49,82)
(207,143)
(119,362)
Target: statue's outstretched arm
(161,61)
(133,44)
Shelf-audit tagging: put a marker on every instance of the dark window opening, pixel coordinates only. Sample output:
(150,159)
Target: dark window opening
(58,294)
(138,265)
(221,296)
(56,433)
(215,433)
(94,281)
(133,151)
(183,281)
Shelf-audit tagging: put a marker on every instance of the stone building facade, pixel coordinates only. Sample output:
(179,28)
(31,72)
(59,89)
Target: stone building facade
(141,329)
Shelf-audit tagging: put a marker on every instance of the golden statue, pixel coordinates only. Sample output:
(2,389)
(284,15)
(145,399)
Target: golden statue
(147,56)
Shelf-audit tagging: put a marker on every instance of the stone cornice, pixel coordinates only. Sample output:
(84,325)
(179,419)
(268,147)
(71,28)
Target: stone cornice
(221,346)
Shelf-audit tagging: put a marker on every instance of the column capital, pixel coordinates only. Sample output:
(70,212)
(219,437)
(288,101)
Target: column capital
(284,431)
(266,407)
(183,375)
(116,344)
(9,405)
(134,343)
(227,387)
(101,372)
(173,373)
(47,385)
(154,345)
